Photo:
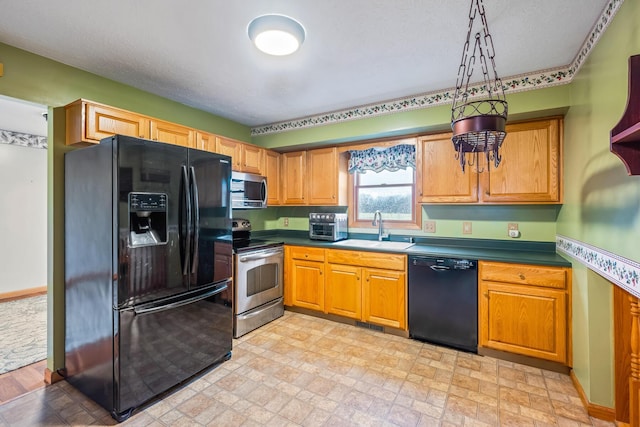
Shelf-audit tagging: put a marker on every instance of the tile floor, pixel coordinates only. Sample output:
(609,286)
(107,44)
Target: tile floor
(301,370)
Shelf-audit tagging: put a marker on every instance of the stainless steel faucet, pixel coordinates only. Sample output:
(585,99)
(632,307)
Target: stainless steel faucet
(378,215)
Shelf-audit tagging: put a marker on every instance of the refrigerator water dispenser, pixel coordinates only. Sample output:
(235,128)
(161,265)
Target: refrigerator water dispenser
(147,219)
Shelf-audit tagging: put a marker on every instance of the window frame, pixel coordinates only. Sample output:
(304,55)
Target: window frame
(416,222)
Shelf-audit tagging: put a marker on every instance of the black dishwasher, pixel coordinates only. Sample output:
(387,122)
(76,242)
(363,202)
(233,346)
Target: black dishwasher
(443,301)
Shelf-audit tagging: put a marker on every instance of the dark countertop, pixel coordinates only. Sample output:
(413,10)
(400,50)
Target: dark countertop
(524,252)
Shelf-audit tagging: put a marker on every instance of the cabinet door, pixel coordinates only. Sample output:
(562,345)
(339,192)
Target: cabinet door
(384,298)
(206,141)
(439,174)
(525,320)
(344,291)
(103,122)
(272,172)
(252,159)
(230,148)
(172,134)
(323,176)
(294,167)
(307,284)
(530,170)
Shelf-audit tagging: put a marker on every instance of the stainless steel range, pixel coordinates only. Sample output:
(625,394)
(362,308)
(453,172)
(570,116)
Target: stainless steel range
(257,279)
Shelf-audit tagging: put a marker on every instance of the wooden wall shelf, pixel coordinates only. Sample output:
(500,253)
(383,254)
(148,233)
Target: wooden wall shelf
(625,136)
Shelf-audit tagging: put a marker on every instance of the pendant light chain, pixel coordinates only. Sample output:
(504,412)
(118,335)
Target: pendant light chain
(478,121)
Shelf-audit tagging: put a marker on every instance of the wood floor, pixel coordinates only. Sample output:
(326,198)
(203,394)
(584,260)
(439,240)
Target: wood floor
(21,381)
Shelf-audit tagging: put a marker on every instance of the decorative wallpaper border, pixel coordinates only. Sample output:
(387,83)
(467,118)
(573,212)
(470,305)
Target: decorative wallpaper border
(22,139)
(512,84)
(621,271)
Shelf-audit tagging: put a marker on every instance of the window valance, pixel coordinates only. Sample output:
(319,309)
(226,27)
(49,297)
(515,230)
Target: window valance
(380,159)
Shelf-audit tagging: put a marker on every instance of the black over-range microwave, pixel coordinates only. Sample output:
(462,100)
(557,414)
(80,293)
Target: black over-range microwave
(248,191)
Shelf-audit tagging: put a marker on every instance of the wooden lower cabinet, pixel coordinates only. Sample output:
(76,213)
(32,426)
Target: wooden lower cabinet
(353,285)
(304,277)
(344,291)
(525,309)
(384,301)
(307,278)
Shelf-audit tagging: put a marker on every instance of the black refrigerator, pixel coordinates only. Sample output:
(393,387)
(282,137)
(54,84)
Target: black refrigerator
(148,266)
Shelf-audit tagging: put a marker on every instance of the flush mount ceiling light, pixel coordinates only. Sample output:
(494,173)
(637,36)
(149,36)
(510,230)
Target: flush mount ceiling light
(276,34)
(478,116)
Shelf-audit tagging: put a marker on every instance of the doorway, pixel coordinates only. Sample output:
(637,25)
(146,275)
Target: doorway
(23,227)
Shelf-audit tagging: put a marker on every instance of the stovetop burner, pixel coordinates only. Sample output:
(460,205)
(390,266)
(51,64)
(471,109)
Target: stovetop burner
(242,240)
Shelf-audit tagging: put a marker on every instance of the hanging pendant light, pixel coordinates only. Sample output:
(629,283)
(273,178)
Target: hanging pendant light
(478,116)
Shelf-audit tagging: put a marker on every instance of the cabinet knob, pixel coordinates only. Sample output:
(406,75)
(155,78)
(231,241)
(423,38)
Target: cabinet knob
(333,196)
(486,294)
(321,273)
(306,255)
(521,276)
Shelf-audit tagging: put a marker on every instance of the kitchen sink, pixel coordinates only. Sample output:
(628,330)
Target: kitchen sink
(374,244)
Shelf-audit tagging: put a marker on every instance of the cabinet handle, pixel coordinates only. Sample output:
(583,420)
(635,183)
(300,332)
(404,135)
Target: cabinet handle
(522,276)
(306,255)
(486,294)
(333,196)
(321,273)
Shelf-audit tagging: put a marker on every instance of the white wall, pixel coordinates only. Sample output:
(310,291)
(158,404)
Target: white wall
(23,218)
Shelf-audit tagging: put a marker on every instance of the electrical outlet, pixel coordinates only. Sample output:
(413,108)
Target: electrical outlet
(466,227)
(286,222)
(512,226)
(429,226)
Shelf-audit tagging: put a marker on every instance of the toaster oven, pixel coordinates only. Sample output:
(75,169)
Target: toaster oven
(328,226)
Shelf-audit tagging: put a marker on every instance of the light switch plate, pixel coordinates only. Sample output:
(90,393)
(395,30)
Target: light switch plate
(429,227)
(466,227)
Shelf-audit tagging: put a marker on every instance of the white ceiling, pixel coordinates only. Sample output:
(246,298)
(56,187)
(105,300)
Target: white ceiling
(21,116)
(356,52)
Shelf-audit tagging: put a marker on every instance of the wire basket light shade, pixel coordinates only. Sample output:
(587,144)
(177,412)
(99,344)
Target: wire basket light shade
(478,114)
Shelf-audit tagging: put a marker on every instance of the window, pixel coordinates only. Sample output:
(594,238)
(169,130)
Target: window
(383,179)
(392,193)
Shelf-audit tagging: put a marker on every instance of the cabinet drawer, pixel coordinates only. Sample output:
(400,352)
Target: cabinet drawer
(368,259)
(307,253)
(536,275)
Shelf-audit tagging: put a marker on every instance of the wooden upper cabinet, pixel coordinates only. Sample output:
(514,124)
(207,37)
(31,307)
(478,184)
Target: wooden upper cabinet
(272,172)
(231,148)
(294,179)
(440,175)
(252,159)
(206,141)
(172,133)
(531,169)
(88,123)
(246,157)
(327,176)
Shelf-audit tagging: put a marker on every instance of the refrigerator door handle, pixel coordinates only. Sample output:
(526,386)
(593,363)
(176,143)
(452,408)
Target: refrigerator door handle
(187,242)
(196,221)
(157,308)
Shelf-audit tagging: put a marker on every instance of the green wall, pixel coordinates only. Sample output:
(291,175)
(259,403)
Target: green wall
(40,80)
(601,200)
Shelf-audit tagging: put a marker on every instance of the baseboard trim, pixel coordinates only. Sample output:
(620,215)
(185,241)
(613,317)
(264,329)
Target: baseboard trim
(594,410)
(51,377)
(22,293)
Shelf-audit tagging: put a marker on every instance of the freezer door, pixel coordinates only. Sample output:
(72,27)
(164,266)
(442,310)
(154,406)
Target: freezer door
(151,230)
(211,243)
(162,344)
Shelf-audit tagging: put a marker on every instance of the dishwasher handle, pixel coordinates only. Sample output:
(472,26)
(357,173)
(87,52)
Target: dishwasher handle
(442,264)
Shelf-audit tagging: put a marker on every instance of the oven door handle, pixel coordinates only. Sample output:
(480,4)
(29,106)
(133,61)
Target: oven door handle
(259,257)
